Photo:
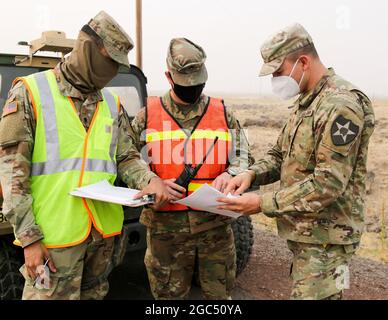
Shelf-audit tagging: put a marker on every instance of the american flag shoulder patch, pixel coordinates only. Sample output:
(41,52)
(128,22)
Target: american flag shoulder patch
(10,108)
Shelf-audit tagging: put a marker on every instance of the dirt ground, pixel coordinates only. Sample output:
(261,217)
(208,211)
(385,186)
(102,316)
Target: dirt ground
(265,278)
(267,274)
(270,263)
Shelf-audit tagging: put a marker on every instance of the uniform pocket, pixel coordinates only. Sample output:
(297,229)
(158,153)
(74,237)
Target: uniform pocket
(120,246)
(351,249)
(295,193)
(159,274)
(51,289)
(302,141)
(230,274)
(33,289)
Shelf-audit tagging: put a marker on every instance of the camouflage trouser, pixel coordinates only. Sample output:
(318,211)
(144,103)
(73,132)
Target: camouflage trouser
(81,272)
(171,259)
(320,272)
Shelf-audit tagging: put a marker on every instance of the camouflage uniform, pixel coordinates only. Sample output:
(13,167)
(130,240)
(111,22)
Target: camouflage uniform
(175,239)
(171,259)
(320,159)
(17,132)
(82,272)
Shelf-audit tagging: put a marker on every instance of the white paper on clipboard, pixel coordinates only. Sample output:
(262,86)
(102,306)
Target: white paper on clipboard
(104,191)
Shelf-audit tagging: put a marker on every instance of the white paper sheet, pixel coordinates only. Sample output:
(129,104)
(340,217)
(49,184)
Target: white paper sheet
(204,199)
(104,191)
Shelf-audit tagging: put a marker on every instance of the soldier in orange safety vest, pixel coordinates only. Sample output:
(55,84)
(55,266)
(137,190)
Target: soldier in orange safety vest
(186,131)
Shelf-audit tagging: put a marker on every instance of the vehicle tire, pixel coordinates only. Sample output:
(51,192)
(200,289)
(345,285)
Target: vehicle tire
(11,280)
(243,239)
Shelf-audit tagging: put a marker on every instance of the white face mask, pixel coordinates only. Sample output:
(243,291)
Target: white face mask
(286,87)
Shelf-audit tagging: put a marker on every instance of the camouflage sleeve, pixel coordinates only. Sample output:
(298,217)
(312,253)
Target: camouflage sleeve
(267,170)
(338,130)
(240,158)
(138,130)
(17,129)
(132,170)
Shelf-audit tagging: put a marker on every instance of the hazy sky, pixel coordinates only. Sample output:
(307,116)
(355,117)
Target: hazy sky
(350,35)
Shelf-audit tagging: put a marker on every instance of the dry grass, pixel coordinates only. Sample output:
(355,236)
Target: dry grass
(263,119)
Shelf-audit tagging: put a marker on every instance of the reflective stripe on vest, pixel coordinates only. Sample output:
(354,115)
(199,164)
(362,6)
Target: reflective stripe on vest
(180,135)
(165,140)
(54,164)
(58,166)
(66,156)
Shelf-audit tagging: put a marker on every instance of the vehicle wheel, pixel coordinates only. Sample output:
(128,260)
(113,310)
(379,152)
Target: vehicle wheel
(11,280)
(243,239)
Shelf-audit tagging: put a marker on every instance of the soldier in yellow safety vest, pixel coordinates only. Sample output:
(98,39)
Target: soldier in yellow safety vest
(60,130)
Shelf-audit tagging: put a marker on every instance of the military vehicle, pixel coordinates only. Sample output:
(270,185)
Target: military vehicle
(131,85)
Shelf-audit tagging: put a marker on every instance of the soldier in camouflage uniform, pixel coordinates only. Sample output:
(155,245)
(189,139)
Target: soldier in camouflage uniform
(320,159)
(78,272)
(176,240)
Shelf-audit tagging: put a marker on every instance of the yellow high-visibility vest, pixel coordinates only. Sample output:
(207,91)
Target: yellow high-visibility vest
(65,157)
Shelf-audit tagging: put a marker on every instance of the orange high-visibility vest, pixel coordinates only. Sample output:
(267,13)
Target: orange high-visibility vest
(170,147)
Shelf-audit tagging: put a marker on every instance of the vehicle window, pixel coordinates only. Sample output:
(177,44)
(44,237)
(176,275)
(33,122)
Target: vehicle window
(8,75)
(129,98)
(1,99)
(128,80)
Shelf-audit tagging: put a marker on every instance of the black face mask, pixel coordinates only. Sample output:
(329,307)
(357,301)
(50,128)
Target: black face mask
(188,94)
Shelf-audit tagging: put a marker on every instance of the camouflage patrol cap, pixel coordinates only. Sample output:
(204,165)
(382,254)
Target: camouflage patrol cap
(275,50)
(116,41)
(186,63)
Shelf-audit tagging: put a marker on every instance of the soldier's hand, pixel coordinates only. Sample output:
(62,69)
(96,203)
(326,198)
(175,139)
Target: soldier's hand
(241,183)
(176,191)
(222,182)
(248,204)
(157,187)
(35,255)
